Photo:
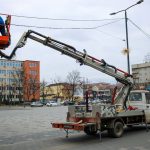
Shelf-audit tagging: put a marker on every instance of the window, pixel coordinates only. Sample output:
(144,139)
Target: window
(13,64)
(7,64)
(2,63)
(33,72)
(2,71)
(32,64)
(135,97)
(18,64)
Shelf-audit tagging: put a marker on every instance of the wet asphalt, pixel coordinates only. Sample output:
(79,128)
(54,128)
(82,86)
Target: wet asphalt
(30,129)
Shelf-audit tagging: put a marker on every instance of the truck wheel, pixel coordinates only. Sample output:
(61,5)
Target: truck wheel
(117,131)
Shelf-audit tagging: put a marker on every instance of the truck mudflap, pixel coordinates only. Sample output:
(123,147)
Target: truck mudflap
(71,125)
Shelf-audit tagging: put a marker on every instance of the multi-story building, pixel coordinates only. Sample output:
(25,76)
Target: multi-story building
(141,74)
(15,79)
(31,81)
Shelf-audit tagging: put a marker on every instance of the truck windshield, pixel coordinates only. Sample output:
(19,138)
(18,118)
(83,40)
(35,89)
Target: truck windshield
(135,97)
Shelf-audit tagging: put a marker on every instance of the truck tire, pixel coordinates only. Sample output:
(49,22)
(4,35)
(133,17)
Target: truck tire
(117,131)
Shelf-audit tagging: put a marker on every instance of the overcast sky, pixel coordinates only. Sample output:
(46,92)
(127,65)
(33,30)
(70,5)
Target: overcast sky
(105,42)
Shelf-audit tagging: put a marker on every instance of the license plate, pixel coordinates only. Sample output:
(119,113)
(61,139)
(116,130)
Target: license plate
(68,126)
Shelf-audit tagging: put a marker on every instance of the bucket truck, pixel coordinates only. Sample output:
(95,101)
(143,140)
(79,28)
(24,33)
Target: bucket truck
(94,119)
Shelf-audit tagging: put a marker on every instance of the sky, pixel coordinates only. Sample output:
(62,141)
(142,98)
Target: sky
(104,41)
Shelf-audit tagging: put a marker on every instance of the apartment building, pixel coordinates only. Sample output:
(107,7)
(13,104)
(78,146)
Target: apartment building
(15,80)
(141,74)
(31,81)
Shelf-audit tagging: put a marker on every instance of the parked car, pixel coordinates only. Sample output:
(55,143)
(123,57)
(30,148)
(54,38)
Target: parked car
(52,103)
(26,103)
(82,103)
(66,103)
(44,102)
(36,104)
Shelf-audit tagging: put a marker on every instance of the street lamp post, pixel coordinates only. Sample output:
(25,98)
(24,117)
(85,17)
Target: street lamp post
(126,27)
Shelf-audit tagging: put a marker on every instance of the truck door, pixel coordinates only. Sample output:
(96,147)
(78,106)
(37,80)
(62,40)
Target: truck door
(147,110)
(136,99)
(147,96)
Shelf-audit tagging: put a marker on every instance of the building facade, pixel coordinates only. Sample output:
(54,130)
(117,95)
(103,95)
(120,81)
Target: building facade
(64,91)
(14,76)
(141,74)
(31,80)
(57,90)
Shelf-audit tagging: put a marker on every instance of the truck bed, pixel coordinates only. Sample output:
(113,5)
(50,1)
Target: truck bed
(130,113)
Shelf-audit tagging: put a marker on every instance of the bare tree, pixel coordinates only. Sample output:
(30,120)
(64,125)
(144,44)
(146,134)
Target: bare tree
(66,91)
(31,84)
(17,85)
(3,93)
(44,89)
(26,87)
(13,87)
(84,84)
(34,87)
(58,84)
(73,78)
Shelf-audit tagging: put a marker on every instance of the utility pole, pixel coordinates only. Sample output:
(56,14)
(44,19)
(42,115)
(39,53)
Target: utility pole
(126,27)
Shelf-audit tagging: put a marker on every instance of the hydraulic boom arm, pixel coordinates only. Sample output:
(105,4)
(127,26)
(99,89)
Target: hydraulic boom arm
(81,57)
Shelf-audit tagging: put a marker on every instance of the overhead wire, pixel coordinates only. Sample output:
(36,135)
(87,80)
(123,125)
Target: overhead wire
(111,35)
(139,28)
(66,19)
(114,20)
(76,28)
(60,19)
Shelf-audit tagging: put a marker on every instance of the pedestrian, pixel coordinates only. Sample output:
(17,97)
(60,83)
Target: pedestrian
(2,27)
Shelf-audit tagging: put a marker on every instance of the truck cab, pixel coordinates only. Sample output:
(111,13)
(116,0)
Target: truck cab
(140,99)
